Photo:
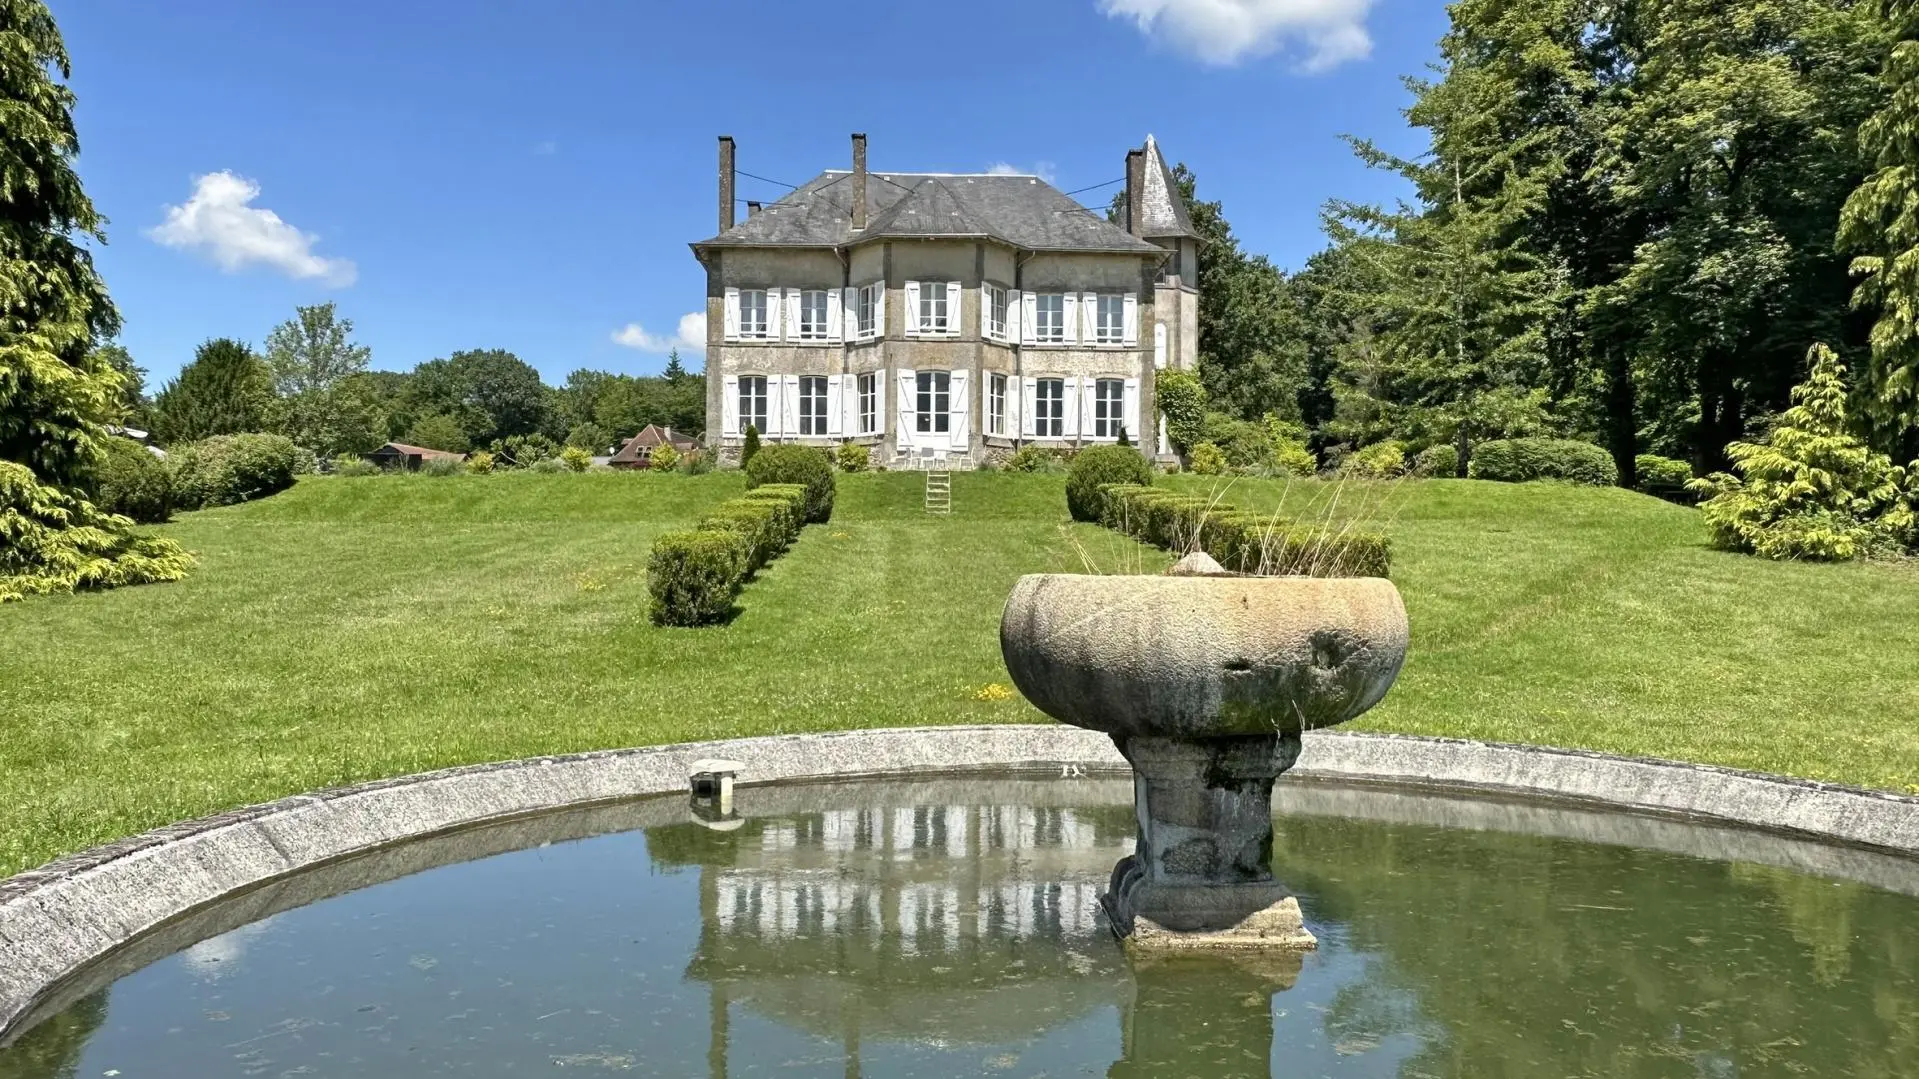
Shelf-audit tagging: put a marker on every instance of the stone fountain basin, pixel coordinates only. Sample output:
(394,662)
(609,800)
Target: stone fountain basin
(1203,657)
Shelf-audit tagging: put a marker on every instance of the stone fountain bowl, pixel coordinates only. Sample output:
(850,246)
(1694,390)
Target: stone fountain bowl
(1203,656)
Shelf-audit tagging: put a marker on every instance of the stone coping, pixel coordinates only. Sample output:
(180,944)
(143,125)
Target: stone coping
(58,921)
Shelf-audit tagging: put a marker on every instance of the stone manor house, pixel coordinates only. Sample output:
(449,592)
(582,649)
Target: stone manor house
(950,318)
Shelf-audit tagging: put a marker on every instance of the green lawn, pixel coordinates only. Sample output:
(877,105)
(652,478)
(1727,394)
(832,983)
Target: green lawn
(353,629)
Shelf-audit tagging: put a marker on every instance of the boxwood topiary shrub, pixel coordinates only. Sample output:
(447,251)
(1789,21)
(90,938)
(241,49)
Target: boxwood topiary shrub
(693,577)
(1096,467)
(228,469)
(803,465)
(1437,462)
(1664,477)
(134,483)
(852,457)
(1520,460)
(1379,461)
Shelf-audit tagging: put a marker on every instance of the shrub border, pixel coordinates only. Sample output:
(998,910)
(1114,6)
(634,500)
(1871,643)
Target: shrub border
(58,920)
(1240,541)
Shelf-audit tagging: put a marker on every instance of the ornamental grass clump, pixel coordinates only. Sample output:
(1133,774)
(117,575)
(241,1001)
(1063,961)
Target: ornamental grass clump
(1242,542)
(1812,490)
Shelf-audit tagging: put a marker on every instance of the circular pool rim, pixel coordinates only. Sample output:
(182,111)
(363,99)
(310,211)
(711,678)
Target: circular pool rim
(60,918)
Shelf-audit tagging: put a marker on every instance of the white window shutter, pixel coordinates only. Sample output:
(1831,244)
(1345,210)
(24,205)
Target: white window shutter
(1159,426)
(879,313)
(790,406)
(849,405)
(730,401)
(1159,344)
(1131,339)
(953,308)
(1015,309)
(985,312)
(1013,411)
(1129,412)
(1028,406)
(1088,388)
(903,410)
(790,308)
(834,317)
(1089,319)
(912,309)
(773,315)
(1069,310)
(1069,406)
(733,317)
(962,437)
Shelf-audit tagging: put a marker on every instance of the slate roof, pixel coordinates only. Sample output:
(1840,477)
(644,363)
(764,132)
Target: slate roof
(1162,212)
(1022,211)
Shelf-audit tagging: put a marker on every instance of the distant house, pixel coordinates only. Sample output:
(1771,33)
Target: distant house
(399,455)
(638,451)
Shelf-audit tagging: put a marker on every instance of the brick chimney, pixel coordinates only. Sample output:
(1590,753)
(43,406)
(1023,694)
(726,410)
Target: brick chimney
(859,181)
(1135,181)
(726,182)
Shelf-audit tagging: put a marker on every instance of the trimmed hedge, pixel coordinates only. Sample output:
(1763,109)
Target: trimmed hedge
(1664,477)
(134,483)
(1439,461)
(1520,460)
(1097,466)
(228,469)
(1241,542)
(803,465)
(694,576)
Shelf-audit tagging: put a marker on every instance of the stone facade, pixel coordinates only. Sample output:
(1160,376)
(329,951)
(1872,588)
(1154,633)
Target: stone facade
(967,317)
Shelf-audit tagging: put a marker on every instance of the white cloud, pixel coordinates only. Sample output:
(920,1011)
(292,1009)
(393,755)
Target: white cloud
(1225,32)
(691,336)
(218,221)
(1045,170)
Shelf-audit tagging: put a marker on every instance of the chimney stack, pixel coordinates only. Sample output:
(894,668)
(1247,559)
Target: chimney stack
(751,209)
(1135,180)
(859,181)
(726,182)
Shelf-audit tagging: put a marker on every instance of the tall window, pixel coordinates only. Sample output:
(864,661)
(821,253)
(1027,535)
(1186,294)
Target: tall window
(1109,325)
(1108,394)
(753,314)
(935,402)
(752,391)
(869,313)
(995,298)
(812,404)
(1049,318)
(1049,408)
(869,391)
(813,315)
(936,307)
(996,404)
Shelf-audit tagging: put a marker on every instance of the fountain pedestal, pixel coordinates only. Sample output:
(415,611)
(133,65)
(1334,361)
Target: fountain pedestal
(1205,681)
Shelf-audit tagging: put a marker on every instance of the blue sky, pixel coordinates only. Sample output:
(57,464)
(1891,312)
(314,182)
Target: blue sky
(527,176)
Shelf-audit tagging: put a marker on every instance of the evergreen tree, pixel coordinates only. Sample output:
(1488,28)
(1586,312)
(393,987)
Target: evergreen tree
(224,391)
(57,392)
(1881,220)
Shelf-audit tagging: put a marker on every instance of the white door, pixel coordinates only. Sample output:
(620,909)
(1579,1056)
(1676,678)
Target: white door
(932,417)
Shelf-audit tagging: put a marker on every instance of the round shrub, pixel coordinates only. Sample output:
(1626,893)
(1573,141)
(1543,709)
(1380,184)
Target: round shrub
(1664,477)
(479,462)
(305,461)
(134,483)
(577,459)
(693,577)
(1379,461)
(1206,460)
(1097,466)
(1293,459)
(852,457)
(1437,462)
(1519,460)
(803,465)
(663,459)
(548,465)
(228,469)
(349,465)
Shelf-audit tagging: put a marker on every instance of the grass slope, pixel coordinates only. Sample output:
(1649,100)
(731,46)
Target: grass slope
(352,629)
